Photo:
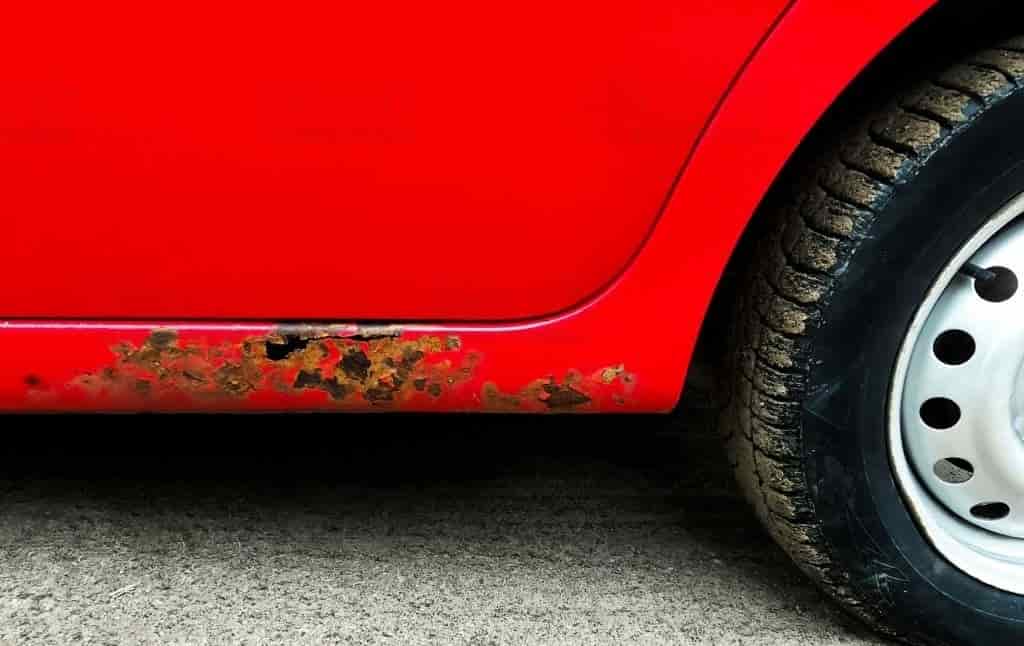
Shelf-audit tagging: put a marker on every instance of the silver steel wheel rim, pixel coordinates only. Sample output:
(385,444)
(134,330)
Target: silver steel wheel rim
(971,508)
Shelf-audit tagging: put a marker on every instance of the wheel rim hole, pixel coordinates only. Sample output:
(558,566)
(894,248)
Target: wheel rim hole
(940,413)
(990,510)
(954,470)
(954,347)
(1000,288)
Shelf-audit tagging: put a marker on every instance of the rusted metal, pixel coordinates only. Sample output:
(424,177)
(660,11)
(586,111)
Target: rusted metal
(349,364)
(320,367)
(572,393)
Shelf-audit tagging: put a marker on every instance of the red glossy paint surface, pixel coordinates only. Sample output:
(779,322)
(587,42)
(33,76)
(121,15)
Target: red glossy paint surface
(647,321)
(345,160)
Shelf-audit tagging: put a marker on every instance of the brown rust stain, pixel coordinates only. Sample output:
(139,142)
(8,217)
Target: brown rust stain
(575,391)
(352,366)
(370,364)
(231,378)
(560,396)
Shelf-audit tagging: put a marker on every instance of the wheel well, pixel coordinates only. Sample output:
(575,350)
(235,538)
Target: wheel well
(944,34)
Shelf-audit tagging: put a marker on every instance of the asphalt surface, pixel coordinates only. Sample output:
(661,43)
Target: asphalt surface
(388,530)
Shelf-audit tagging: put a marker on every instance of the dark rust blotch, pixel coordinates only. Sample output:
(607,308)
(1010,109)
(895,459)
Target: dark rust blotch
(315,379)
(334,389)
(356,365)
(163,339)
(411,357)
(353,365)
(380,393)
(560,396)
(280,347)
(307,379)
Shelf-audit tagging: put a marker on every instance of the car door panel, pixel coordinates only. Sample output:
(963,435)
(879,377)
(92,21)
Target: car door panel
(400,161)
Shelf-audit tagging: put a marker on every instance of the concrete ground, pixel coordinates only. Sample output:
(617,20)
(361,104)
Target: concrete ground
(389,530)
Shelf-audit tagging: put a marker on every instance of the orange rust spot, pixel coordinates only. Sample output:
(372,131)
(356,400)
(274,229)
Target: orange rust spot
(348,366)
(610,374)
(352,367)
(574,392)
(538,395)
(496,400)
(231,378)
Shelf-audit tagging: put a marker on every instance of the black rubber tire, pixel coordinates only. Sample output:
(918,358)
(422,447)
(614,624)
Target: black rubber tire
(820,318)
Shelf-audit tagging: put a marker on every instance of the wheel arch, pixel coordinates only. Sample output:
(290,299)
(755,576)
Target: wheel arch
(920,34)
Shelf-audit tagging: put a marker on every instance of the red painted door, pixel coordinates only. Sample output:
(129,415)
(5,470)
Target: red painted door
(404,160)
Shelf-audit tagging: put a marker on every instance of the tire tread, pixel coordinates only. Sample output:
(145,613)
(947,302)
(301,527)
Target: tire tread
(791,281)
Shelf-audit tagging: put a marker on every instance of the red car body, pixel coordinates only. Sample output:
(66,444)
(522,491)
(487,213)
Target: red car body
(392,207)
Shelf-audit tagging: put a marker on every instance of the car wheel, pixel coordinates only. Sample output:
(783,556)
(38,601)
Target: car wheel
(876,412)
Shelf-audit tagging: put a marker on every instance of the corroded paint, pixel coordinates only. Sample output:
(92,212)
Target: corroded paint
(350,365)
(574,391)
(336,367)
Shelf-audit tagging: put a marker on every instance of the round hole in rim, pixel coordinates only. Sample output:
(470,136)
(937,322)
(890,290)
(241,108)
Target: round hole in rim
(940,413)
(1000,288)
(990,510)
(954,470)
(954,347)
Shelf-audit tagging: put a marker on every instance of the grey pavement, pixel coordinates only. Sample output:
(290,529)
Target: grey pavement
(389,530)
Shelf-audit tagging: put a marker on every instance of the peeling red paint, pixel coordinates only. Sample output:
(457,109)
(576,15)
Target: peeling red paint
(335,367)
(573,392)
(363,366)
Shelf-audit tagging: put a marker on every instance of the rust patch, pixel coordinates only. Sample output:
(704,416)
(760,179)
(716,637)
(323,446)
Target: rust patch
(561,396)
(163,338)
(611,373)
(231,378)
(356,365)
(574,392)
(495,399)
(349,364)
(314,379)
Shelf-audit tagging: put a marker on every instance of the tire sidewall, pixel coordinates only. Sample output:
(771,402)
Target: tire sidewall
(866,523)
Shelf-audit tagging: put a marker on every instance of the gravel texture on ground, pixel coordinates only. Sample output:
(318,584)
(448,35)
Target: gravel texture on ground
(389,530)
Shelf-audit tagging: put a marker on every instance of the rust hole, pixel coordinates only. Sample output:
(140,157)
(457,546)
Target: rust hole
(277,351)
